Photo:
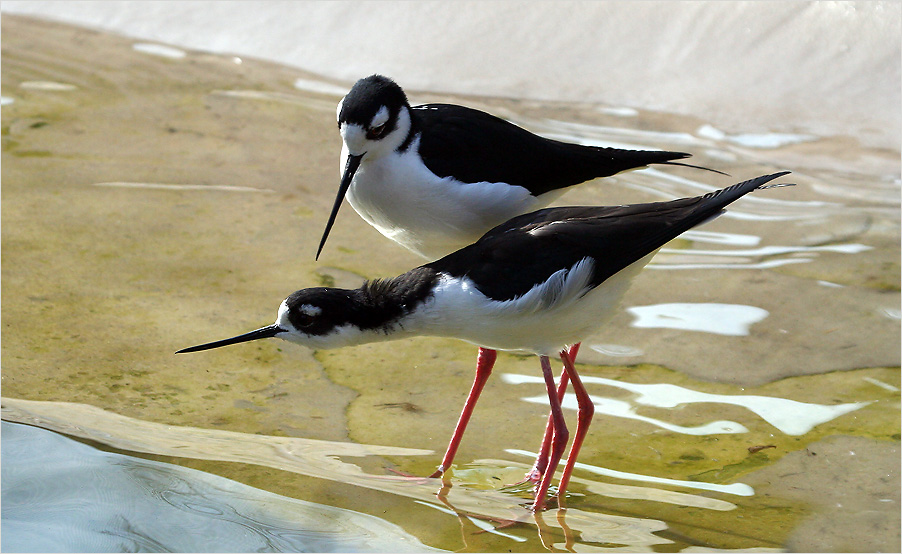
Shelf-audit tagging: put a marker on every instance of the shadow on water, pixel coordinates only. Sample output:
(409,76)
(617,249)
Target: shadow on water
(153,198)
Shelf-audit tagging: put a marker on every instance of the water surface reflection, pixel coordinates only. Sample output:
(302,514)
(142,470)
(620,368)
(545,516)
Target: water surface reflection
(60,495)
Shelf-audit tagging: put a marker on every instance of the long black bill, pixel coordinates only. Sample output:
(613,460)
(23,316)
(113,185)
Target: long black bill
(350,169)
(261,333)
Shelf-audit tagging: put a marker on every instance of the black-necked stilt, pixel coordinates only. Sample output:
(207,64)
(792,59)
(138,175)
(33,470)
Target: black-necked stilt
(435,177)
(536,283)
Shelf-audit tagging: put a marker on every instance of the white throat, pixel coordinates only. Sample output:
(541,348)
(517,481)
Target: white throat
(356,143)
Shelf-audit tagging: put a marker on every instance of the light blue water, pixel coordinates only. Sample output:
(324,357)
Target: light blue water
(60,495)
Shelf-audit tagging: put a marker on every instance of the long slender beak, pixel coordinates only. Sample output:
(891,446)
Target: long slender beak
(350,169)
(261,333)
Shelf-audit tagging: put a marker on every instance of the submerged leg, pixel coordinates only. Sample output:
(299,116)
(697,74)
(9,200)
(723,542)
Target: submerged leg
(559,434)
(484,362)
(538,469)
(584,418)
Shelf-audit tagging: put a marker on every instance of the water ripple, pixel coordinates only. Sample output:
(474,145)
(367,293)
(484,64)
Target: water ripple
(789,416)
(83,499)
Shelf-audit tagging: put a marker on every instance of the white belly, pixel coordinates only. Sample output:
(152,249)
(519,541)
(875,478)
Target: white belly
(541,322)
(428,215)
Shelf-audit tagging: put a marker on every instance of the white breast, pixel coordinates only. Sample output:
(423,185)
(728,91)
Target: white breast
(429,215)
(557,313)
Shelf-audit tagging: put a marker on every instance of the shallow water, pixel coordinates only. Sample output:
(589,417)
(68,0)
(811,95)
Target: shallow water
(155,198)
(60,495)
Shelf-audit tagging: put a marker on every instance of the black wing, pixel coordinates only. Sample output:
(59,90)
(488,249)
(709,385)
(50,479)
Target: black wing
(527,249)
(474,146)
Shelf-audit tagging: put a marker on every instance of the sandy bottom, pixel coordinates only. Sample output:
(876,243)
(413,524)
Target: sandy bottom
(153,201)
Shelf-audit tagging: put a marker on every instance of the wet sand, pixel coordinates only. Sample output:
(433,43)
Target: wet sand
(152,202)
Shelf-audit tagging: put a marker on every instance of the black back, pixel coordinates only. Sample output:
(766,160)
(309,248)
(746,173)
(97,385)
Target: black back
(524,251)
(473,146)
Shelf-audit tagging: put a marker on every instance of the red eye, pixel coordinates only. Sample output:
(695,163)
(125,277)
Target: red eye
(376,132)
(301,320)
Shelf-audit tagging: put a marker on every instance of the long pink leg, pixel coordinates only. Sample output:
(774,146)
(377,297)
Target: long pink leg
(560,434)
(538,469)
(584,418)
(484,362)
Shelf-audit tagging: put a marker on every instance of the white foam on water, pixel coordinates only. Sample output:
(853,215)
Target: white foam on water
(159,50)
(720,319)
(619,111)
(713,237)
(789,416)
(484,525)
(769,140)
(752,207)
(881,384)
(602,135)
(753,140)
(738,265)
(616,350)
(892,313)
(738,489)
(620,408)
(851,248)
(51,86)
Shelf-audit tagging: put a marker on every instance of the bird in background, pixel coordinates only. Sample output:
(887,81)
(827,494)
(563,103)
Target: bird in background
(436,177)
(536,283)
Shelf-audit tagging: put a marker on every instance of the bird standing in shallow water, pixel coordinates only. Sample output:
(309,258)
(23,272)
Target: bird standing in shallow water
(435,177)
(536,283)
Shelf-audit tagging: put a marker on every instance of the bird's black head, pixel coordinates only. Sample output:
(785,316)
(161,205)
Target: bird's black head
(373,120)
(318,311)
(316,317)
(325,317)
(366,99)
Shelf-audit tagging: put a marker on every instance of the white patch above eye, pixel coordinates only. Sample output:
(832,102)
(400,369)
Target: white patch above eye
(311,310)
(380,118)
